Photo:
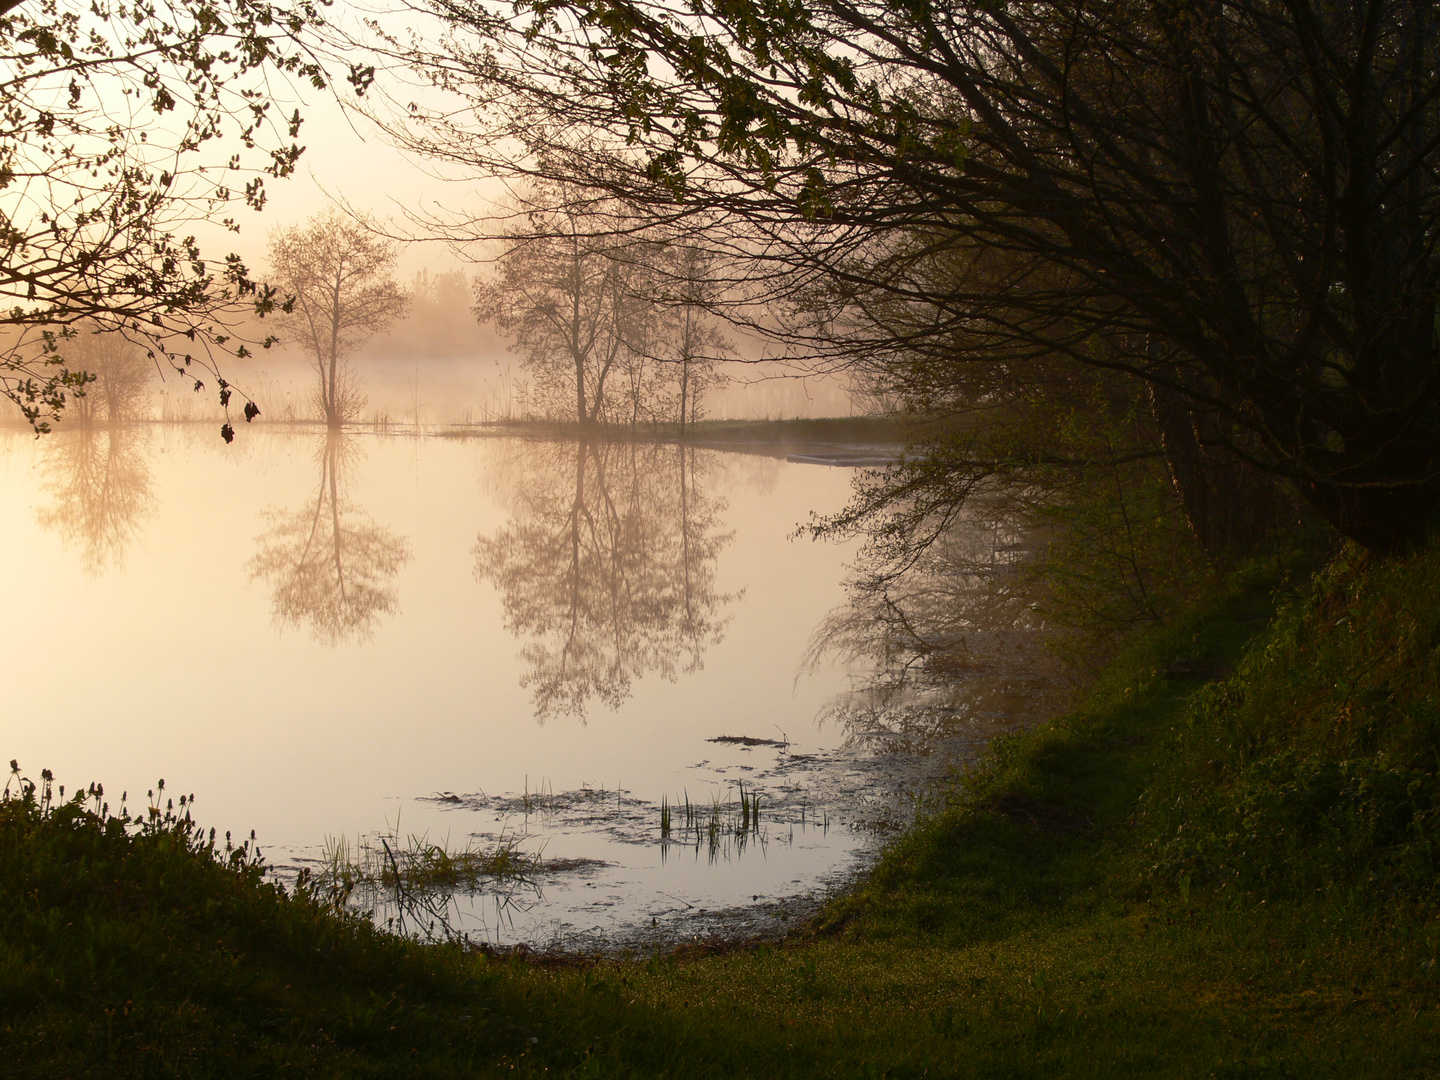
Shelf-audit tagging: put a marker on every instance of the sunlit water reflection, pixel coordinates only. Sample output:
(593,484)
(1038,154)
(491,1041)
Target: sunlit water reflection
(463,640)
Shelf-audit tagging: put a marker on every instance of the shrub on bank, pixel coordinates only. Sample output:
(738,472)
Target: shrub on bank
(1316,764)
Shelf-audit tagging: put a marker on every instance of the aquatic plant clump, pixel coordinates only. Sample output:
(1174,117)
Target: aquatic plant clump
(716,828)
(416,865)
(410,884)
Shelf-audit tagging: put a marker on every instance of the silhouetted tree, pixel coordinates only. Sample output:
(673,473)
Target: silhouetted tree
(1235,203)
(565,289)
(338,271)
(689,338)
(120,376)
(112,123)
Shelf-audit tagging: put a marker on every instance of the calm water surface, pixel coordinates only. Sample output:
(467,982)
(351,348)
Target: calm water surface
(325,638)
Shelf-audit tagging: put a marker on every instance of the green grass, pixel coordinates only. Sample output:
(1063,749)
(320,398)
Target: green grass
(1191,874)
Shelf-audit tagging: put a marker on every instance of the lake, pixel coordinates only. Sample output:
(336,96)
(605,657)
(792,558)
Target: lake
(467,641)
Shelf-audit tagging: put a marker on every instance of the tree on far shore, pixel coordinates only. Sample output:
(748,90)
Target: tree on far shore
(563,290)
(120,373)
(339,274)
(612,317)
(691,340)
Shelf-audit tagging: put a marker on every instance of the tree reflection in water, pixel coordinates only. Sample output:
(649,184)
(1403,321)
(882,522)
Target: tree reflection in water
(954,646)
(331,566)
(607,567)
(103,491)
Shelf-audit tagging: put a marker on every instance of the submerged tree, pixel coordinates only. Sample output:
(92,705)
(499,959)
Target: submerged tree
(331,567)
(112,123)
(607,570)
(339,273)
(1235,204)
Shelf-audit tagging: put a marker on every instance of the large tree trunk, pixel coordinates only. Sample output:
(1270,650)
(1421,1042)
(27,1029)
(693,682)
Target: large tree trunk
(1384,518)
(1229,505)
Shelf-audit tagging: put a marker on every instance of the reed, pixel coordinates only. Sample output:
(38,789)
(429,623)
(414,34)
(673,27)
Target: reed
(415,866)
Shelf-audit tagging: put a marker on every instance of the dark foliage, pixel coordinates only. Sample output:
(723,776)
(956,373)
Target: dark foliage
(1234,203)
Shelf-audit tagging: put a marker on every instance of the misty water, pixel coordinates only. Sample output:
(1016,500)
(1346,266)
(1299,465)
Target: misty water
(467,641)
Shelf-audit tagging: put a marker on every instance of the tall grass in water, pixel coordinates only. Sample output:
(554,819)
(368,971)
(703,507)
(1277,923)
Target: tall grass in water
(418,864)
(540,801)
(729,822)
(420,878)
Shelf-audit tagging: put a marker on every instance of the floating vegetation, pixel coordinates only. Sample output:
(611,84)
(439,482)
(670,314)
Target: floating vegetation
(499,885)
(615,808)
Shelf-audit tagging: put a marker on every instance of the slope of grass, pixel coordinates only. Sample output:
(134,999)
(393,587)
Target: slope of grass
(1220,864)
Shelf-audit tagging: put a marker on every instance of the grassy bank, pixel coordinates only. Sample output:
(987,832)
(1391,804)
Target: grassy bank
(1222,863)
